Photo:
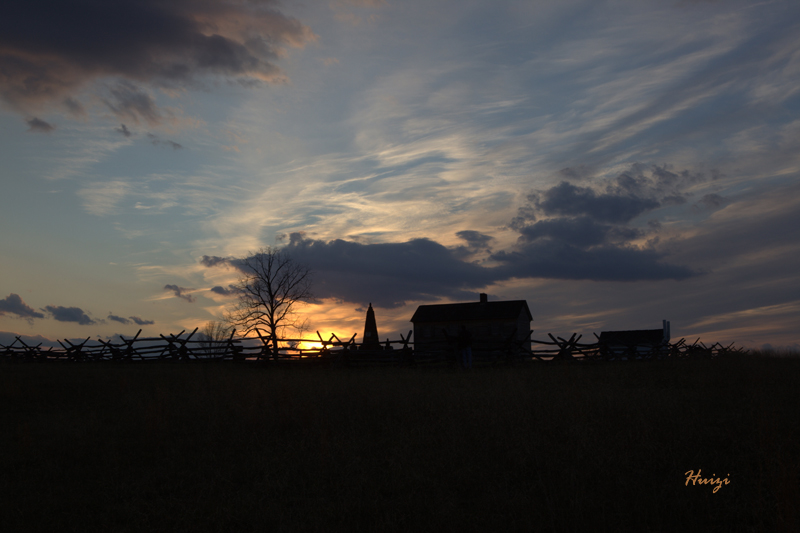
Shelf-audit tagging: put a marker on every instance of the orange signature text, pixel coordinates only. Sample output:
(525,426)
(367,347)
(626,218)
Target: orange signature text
(697,480)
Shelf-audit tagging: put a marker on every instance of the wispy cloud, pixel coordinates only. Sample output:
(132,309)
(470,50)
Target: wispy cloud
(103,198)
(155,141)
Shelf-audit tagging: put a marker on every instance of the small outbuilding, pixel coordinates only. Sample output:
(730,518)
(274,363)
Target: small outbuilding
(489,323)
(634,342)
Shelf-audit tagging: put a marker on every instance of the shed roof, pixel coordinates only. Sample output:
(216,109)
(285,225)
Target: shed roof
(470,311)
(636,336)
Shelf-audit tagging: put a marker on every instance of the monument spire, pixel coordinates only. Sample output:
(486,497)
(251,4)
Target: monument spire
(371,341)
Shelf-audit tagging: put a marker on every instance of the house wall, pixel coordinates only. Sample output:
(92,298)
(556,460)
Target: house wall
(429,335)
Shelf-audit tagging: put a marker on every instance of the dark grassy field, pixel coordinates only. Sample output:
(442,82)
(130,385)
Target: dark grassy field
(548,447)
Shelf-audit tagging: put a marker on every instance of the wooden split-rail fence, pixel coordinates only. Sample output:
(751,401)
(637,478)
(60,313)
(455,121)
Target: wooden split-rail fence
(334,350)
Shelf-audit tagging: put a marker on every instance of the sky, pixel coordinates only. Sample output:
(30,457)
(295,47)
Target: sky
(613,163)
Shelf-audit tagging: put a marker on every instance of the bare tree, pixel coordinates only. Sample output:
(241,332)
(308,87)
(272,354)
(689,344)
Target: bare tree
(211,337)
(271,287)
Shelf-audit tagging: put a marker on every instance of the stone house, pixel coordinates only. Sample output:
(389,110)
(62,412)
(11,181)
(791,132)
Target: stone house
(490,324)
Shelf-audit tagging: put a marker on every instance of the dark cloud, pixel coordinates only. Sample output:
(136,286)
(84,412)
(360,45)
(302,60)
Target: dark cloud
(476,243)
(49,49)
(555,259)
(120,319)
(213,260)
(475,239)
(180,292)
(576,173)
(134,319)
(123,130)
(580,231)
(386,274)
(129,101)
(566,232)
(711,202)
(618,200)
(525,214)
(13,304)
(567,199)
(230,291)
(588,231)
(69,314)
(39,125)
(391,274)
(74,107)
(661,184)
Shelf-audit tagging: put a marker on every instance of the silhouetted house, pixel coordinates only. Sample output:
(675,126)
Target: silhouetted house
(490,324)
(370,340)
(634,341)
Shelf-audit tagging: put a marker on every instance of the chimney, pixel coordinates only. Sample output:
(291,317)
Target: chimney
(665,325)
(484,298)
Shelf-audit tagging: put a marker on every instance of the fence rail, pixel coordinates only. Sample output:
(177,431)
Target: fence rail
(349,352)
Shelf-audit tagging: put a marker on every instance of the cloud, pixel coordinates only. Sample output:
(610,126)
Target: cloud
(46,59)
(230,291)
(616,200)
(103,198)
(476,243)
(13,304)
(156,141)
(578,231)
(213,260)
(123,130)
(475,239)
(120,319)
(387,274)
(69,314)
(567,199)
(587,232)
(711,202)
(39,125)
(392,274)
(134,319)
(130,101)
(554,259)
(180,292)
(74,107)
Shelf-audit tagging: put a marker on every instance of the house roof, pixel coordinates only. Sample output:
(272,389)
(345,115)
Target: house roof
(465,312)
(637,336)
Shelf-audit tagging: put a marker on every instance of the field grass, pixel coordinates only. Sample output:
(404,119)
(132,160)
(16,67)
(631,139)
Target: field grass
(548,447)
